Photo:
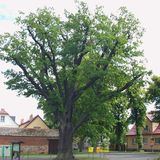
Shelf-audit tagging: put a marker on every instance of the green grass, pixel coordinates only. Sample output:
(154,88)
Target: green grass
(79,156)
(90,157)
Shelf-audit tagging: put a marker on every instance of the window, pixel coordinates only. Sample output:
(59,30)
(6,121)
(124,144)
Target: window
(157,140)
(37,127)
(2,119)
(146,129)
(145,140)
(133,140)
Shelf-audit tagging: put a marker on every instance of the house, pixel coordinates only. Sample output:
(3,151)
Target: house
(37,138)
(6,120)
(34,122)
(34,134)
(151,135)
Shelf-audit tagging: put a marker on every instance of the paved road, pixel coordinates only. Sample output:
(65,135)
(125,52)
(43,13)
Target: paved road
(131,156)
(110,156)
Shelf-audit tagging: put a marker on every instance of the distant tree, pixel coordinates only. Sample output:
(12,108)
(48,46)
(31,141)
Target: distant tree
(120,127)
(61,61)
(153,95)
(136,95)
(97,128)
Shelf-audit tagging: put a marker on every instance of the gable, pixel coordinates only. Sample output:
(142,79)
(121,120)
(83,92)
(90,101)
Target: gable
(37,122)
(132,131)
(3,112)
(148,129)
(7,121)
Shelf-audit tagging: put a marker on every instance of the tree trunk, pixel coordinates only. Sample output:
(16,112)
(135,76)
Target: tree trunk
(118,147)
(139,138)
(65,143)
(81,144)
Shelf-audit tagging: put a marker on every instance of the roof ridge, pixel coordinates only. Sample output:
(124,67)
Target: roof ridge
(2,111)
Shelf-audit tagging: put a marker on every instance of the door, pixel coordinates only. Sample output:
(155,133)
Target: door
(52,146)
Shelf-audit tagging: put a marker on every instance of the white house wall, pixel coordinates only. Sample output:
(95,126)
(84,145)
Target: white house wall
(8,122)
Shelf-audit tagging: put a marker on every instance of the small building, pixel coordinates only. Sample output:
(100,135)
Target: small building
(35,141)
(36,136)
(151,135)
(6,120)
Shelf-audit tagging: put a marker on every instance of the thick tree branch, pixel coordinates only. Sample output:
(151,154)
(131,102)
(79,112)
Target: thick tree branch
(54,67)
(112,53)
(92,81)
(44,87)
(64,37)
(119,90)
(34,38)
(83,118)
(78,59)
(43,54)
(31,79)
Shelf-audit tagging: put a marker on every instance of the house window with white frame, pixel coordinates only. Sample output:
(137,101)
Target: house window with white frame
(2,119)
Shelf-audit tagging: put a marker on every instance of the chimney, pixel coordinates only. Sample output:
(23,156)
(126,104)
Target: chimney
(3,110)
(31,117)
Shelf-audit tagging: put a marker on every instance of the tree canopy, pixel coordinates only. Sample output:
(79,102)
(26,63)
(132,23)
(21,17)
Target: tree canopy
(153,95)
(72,66)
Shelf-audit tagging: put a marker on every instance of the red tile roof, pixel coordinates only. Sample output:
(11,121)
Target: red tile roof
(150,117)
(157,130)
(132,131)
(25,123)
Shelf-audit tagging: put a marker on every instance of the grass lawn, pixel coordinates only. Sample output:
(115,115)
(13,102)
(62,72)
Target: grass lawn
(82,156)
(86,156)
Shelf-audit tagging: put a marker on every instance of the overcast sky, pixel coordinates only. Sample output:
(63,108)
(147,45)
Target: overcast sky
(147,11)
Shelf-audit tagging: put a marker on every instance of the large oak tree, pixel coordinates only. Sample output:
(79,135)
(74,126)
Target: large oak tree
(74,64)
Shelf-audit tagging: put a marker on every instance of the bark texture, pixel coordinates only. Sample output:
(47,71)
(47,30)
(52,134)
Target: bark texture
(65,143)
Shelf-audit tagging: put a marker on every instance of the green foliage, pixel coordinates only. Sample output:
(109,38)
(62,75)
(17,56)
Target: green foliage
(136,95)
(74,67)
(153,95)
(98,127)
(120,127)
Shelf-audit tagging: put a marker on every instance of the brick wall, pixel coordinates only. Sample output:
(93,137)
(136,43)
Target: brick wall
(34,149)
(32,145)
